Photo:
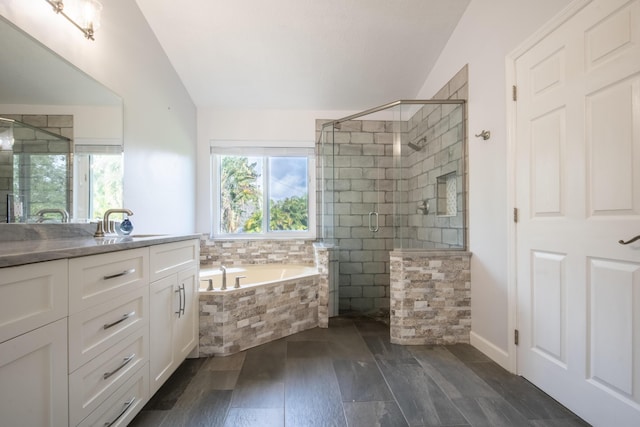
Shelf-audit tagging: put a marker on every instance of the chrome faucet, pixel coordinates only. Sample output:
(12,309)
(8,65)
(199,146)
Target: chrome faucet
(63,214)
(224,277)
(237,285)
(105,226)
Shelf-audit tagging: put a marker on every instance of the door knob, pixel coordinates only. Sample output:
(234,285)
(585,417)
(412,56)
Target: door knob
(622,242)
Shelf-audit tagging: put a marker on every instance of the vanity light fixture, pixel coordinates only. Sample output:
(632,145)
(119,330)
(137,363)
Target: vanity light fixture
(83,14)
(6,136)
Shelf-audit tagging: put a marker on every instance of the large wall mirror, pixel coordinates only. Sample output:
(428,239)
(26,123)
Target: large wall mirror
(61,148)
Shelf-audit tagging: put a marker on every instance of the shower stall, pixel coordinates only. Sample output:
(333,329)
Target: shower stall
(390,178)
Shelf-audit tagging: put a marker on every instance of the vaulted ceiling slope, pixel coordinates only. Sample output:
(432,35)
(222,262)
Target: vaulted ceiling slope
(302,54)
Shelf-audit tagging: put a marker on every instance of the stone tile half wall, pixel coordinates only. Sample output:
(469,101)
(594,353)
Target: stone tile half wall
(430,297)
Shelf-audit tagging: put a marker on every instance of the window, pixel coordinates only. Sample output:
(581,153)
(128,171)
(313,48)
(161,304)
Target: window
(263,192)
(98,184)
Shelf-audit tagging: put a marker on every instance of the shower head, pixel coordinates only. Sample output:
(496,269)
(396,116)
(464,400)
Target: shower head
(418,145)
(414,146)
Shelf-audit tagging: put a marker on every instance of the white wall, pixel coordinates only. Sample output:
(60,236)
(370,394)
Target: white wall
(488,31)
(159,116)
(248,127)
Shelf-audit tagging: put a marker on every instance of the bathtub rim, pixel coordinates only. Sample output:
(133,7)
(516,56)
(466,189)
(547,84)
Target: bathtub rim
(230,289)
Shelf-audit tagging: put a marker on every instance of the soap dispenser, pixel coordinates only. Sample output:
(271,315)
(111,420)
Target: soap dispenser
(125,227)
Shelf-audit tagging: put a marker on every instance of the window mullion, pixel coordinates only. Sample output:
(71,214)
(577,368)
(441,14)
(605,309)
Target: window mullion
(265,195)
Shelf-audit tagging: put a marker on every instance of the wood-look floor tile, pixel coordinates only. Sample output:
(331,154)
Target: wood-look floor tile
(167,396)
(224,363)
(490,412)
(265,362)
(361,381)
(368,327)
(467,353)
(209,410)
(382,348)
(258,394)
(521,394)
(205,381)
(351,347)
(422,402)
(566,422)
(450,373)
(312,394)
(148,418)
(307,349)
(350,374)
(255,417)
(374,414)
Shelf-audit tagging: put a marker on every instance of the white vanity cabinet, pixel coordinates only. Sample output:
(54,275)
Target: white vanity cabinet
(174,307)
(108,329)
(85,341)
(33,345)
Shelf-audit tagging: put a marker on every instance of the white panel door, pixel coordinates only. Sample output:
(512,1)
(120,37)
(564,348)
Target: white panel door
(578,194)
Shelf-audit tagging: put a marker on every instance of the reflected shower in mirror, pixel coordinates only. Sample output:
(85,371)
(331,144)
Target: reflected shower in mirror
(34,166)
(81,171)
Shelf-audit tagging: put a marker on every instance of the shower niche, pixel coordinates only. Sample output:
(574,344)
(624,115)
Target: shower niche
(390,178)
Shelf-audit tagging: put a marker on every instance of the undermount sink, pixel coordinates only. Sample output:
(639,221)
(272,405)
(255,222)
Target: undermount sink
(142,236)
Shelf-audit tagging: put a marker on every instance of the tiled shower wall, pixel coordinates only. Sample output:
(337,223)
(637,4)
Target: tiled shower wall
(363,171)
(428,173)
(362,156)
(25,141)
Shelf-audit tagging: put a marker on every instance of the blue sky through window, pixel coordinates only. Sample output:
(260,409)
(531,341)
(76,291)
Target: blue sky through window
(288,177)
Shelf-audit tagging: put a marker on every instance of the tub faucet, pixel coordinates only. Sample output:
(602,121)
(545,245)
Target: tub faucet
(237,285)
(224,277)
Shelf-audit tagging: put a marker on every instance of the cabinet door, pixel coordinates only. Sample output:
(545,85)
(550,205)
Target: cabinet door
(33,378)
(164,305)
(187,333)
(31,296)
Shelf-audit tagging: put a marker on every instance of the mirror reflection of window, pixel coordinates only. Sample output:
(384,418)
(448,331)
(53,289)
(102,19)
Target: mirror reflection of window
(98,185)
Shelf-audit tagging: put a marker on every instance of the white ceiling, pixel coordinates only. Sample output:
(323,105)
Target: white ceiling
(302,54)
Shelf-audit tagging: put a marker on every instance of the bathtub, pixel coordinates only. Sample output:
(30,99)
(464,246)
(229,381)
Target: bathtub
(254,275)
(273,301)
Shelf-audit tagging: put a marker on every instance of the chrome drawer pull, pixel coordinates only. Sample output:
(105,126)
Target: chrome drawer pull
(183,299)
(179,292)
(622,242)
(122,319)
(127,405)
(124,363)
(124,273)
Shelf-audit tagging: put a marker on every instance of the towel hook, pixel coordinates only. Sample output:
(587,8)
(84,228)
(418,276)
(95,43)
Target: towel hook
(485,134)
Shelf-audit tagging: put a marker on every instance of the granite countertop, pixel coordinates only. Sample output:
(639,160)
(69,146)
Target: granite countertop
(15,252)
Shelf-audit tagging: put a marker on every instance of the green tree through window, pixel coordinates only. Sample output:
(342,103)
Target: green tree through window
(249,183)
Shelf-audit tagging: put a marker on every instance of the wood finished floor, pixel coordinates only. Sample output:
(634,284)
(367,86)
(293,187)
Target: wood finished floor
(350,375)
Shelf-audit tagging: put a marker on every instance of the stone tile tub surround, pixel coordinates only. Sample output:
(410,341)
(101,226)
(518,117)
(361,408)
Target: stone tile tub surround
(235,320)
(238,319)
(430,297)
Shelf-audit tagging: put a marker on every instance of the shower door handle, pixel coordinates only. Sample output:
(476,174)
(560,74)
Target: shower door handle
(373,226)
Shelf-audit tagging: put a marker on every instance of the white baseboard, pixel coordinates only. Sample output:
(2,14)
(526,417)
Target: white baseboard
(495,353)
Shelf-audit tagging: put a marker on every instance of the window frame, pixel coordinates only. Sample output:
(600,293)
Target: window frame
(265,152)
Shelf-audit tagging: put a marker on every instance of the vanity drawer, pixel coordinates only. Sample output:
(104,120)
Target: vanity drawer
(31,296)
(94,331)
(122,406)
(169,258)
(96,278)
(90,385)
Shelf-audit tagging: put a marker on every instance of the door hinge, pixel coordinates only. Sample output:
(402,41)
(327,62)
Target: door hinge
(514,92)
(516,336)
(515,214)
